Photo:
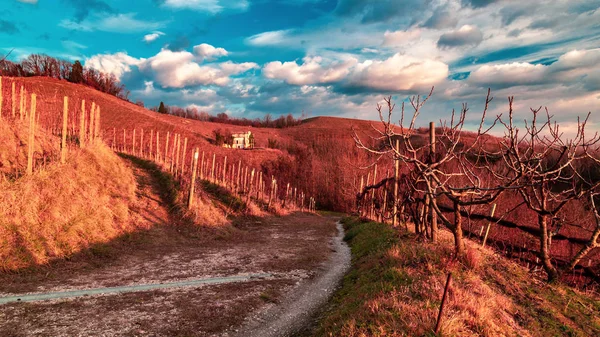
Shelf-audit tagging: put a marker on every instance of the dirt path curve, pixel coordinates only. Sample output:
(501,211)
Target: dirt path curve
(297,309)
(292,249)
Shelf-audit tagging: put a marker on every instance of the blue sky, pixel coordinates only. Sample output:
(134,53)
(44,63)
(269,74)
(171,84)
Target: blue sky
(326,57)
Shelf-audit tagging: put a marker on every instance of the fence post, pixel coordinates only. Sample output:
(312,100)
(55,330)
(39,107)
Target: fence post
(212,170)
(439,318)
(433,214)
(193,181)
(14,100)
(225,171)
(151,141)
(82,125)
(166,148)
(92,121)
(31,135)
(63,144)
(21,104)
(373,192)
(157,148)
(396,183)
(133,144)
(97,123)
(202,167)
(487,231)
(142,143)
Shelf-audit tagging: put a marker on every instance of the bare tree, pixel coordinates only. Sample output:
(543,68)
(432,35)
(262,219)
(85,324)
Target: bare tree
(546,164)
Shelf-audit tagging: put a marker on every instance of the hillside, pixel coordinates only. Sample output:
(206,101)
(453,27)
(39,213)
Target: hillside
(396,284)
(318,153)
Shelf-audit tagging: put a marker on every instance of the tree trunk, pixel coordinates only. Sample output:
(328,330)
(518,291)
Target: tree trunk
(545,248)
(459,247)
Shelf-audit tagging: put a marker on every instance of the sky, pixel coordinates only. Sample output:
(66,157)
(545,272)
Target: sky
(248,58)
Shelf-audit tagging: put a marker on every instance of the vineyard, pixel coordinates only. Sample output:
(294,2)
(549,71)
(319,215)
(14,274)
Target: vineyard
(476,183)
(532,193)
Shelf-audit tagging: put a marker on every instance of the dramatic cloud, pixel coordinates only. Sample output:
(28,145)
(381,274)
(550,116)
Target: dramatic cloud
(153,36)
(508,74)
(311,71)
(174,69)
(400,37)
(570,69)
(466,35)
(397,73)
(116,64)
(179,69)
(207,52)
(442,17)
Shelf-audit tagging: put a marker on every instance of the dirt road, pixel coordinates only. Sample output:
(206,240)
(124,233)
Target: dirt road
(292,250)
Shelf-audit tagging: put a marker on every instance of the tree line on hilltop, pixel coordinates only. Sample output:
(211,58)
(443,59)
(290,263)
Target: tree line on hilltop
(192,112)
(48,66)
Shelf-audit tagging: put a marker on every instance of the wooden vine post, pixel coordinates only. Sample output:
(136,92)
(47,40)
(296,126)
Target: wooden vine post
(63,144)
(433,214)
(82,125)
(92,120)
(142,143)
(31,135)
(14,100)
(396,183)
(97,124)
(212,170)
(439,318)
(193,180)
(487,231)
(157,148)
(166,148)
(183,155)
(133,143)
(21,105)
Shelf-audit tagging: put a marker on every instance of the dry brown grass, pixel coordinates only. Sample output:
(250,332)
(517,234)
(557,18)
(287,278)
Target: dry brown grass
(13,148)
(65,208)
(396,284)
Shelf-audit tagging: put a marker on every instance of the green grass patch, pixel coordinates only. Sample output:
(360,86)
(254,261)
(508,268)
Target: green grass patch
(224,196)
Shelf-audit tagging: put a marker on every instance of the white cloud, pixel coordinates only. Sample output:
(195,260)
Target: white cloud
(464,36)
(516,72)
(116,64)
(178,69)
(268,38)
(119,23)
(210,6)
(396,73)
(207,52)
(152,36)
(29,1)
(570,67)
(400,37)
(399,73)
(312,70)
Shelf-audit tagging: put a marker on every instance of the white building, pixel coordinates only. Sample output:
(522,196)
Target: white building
(242,140)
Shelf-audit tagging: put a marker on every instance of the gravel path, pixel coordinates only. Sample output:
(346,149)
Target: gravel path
(294,313)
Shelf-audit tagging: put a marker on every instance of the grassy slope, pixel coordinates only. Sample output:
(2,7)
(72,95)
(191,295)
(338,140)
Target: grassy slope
(64,208)
(327,137)
(395,286)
